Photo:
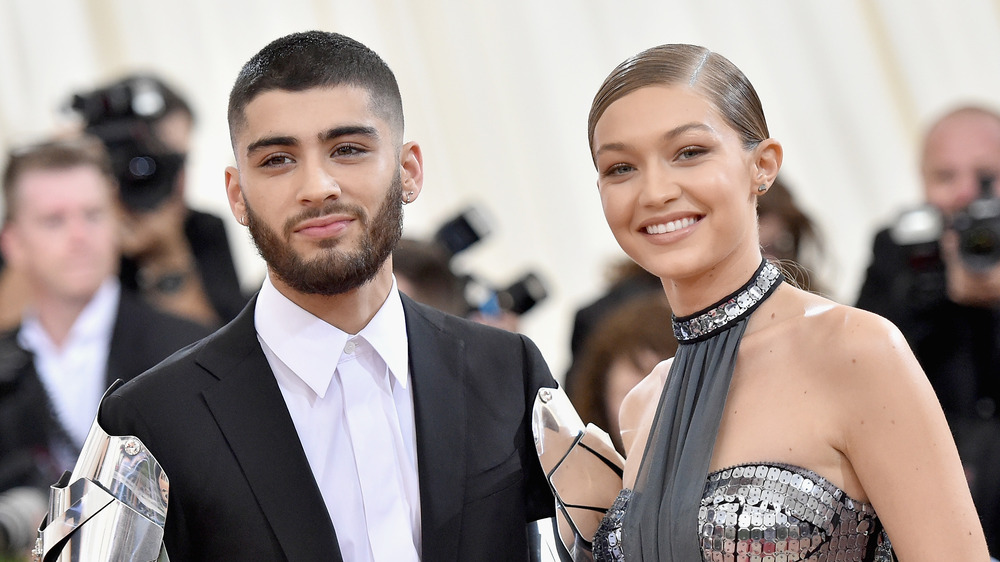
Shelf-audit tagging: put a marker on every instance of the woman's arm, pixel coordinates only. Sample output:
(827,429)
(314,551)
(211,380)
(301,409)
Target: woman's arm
(899,444)
(635,418)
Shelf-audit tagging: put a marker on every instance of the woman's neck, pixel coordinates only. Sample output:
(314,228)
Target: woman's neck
(692,294)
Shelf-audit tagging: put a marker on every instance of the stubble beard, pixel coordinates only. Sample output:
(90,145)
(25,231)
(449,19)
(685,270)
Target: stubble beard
(335,271)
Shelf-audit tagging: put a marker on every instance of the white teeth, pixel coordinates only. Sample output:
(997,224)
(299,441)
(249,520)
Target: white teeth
(670,226)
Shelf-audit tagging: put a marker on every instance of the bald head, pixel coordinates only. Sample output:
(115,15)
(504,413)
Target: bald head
(959,149)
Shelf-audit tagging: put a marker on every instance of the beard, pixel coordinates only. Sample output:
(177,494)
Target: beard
(334,271)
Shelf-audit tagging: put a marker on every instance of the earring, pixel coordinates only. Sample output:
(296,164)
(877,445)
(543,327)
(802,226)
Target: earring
(243,220)
(407,196)
(762,188)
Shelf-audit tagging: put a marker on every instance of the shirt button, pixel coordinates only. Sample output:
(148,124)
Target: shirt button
(350,347)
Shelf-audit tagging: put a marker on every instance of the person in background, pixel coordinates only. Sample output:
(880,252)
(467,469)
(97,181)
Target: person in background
(947,308)
(785,233)
(630,341)
(14,292)
(628,280)
(81,330)
(177,257)
(424,274)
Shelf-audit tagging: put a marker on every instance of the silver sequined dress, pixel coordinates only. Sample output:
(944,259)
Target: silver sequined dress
(768,512)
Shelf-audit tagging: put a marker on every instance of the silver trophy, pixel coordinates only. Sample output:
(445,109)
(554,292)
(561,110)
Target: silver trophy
(111,507)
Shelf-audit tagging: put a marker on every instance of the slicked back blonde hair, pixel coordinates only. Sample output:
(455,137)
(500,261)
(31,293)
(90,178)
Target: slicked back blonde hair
(718,79)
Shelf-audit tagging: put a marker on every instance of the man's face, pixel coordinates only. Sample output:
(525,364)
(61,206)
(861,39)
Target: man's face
(959,151)
(64,232)
(319,183)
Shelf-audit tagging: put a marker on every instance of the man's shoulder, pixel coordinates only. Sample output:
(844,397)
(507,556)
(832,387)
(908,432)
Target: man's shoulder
(418,314)
(15,361)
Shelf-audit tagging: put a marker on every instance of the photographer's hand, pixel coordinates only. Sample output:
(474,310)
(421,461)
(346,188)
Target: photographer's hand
(964,286)
(168,273)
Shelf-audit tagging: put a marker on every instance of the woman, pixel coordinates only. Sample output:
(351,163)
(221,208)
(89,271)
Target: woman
(787,427)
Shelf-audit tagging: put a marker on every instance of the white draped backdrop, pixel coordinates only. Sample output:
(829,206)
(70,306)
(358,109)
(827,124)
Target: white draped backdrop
(497,94)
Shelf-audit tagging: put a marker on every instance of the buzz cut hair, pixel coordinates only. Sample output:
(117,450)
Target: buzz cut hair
(316,59)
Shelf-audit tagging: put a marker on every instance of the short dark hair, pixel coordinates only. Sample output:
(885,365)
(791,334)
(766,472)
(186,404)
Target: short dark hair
(61,154)
(312,59)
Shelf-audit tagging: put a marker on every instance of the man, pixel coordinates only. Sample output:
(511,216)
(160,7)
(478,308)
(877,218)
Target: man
(949,311)
(335,419)
(81,332)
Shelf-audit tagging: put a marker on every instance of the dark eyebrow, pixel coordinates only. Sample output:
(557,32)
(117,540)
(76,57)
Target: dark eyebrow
(363,130)
(672,133)
(271,141)
(324,136)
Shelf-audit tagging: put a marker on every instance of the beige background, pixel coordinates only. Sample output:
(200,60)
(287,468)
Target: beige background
(497,93)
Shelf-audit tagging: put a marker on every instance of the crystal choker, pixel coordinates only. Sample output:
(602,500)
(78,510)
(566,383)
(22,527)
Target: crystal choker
(722,315)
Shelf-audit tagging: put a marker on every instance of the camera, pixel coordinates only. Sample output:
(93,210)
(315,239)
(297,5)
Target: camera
(21,509)
(918,232)
(978,228)
(461,232)
(122,116)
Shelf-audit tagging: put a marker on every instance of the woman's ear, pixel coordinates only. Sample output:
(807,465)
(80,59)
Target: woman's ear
(767,161)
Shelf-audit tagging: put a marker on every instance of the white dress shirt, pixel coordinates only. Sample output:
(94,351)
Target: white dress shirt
(365,470)
(75,374)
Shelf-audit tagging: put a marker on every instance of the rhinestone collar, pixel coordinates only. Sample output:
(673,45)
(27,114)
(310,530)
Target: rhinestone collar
(723,314)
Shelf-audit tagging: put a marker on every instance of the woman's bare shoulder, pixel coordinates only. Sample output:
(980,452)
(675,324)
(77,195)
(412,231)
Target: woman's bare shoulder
(833,333)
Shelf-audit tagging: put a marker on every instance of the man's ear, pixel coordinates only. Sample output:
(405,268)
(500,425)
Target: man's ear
(10,245)
(411,164)
(767,161)
(235,195)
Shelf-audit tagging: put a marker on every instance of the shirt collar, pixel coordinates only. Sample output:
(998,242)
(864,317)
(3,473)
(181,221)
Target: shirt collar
(386,333)
(96,321)
(309,346)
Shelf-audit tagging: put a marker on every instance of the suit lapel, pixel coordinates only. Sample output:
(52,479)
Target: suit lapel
(250,411)
(436,364)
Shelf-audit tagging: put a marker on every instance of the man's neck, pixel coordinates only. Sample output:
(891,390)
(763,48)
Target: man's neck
(350,311)
(57,314)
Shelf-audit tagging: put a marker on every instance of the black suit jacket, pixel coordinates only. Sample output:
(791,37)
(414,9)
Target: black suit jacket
(241,487)
(142,337)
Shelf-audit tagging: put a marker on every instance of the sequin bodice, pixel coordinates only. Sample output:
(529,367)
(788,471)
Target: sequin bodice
(769,513)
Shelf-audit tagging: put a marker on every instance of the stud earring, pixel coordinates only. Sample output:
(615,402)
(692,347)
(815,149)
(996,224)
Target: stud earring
(762,188)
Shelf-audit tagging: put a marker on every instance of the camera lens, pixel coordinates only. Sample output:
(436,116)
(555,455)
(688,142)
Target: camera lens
(142,167)
(979,246)
(980,242)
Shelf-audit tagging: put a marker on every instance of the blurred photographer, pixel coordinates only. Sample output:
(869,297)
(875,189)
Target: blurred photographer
(424,272)
(177,257)
(935,273)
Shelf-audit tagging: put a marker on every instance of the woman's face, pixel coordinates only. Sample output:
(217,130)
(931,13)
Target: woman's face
(676,184)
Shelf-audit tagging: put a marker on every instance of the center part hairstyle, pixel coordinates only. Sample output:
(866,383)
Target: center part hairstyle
(696,67)
(316,59)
